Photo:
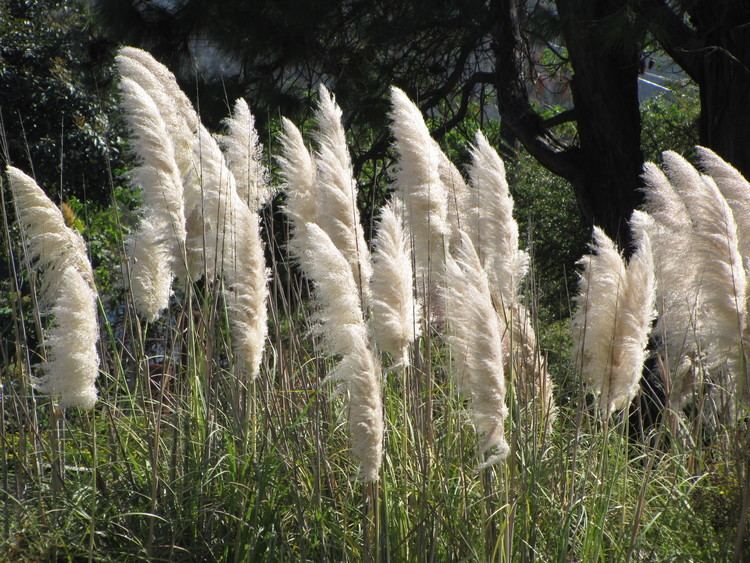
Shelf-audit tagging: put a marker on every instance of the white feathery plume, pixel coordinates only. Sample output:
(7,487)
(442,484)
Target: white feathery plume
(598,309)
(338,192)
(418,182)
(637,311)
(168,82)
(72,360)
(209,243)
(233,247)
(157,251)
(52,246)
(345,334)
(244,155)
(735,189)
(476,341)
(677,293)
(721,274)
(395,312)
(182,124)
(505,264)
(297,169)
(67,289)
(247,278)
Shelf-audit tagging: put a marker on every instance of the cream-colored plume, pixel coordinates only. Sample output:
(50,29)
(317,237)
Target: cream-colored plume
(418,182)
(72,360)
(50,244)
(157,250)
(59,253)
(297,169)
(735,189)
(637,312)
(612,321)
(344,334)
(720,270)
(168,82)
(395,312)
(598,304)
(505,263)
(231,244)
(677,292)
(244,154)
(476,342)
(247,291)
(337,191)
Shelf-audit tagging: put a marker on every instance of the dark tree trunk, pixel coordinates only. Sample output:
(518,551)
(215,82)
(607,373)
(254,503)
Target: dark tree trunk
(725,79)
(604,50)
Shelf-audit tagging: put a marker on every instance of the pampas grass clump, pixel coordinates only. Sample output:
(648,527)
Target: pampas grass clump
(59,253)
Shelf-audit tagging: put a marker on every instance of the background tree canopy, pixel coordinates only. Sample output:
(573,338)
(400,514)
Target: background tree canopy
(448,54)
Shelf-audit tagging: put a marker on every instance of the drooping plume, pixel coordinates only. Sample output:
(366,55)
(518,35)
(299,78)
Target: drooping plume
(720,271)
(476,343)
(72,360)
(180,118)
(345,334)
(59,254)
(244,154)
(247,289)
(395,312)
(337,190)
(297,169)
(418,182)
(505,263)
(157,250)
(51,246)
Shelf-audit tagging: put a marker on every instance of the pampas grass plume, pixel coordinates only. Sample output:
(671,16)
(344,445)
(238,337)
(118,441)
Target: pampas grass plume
(72,360)
(476,341)
(506,265)
(338,192)
(344,334)
(244,155)
(418,182)
(51,245)
(395,313)
(715,246)
(67,290)
(157,250)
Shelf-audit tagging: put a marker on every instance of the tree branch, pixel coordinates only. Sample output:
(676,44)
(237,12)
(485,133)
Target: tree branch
(513,98)
(679,41)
